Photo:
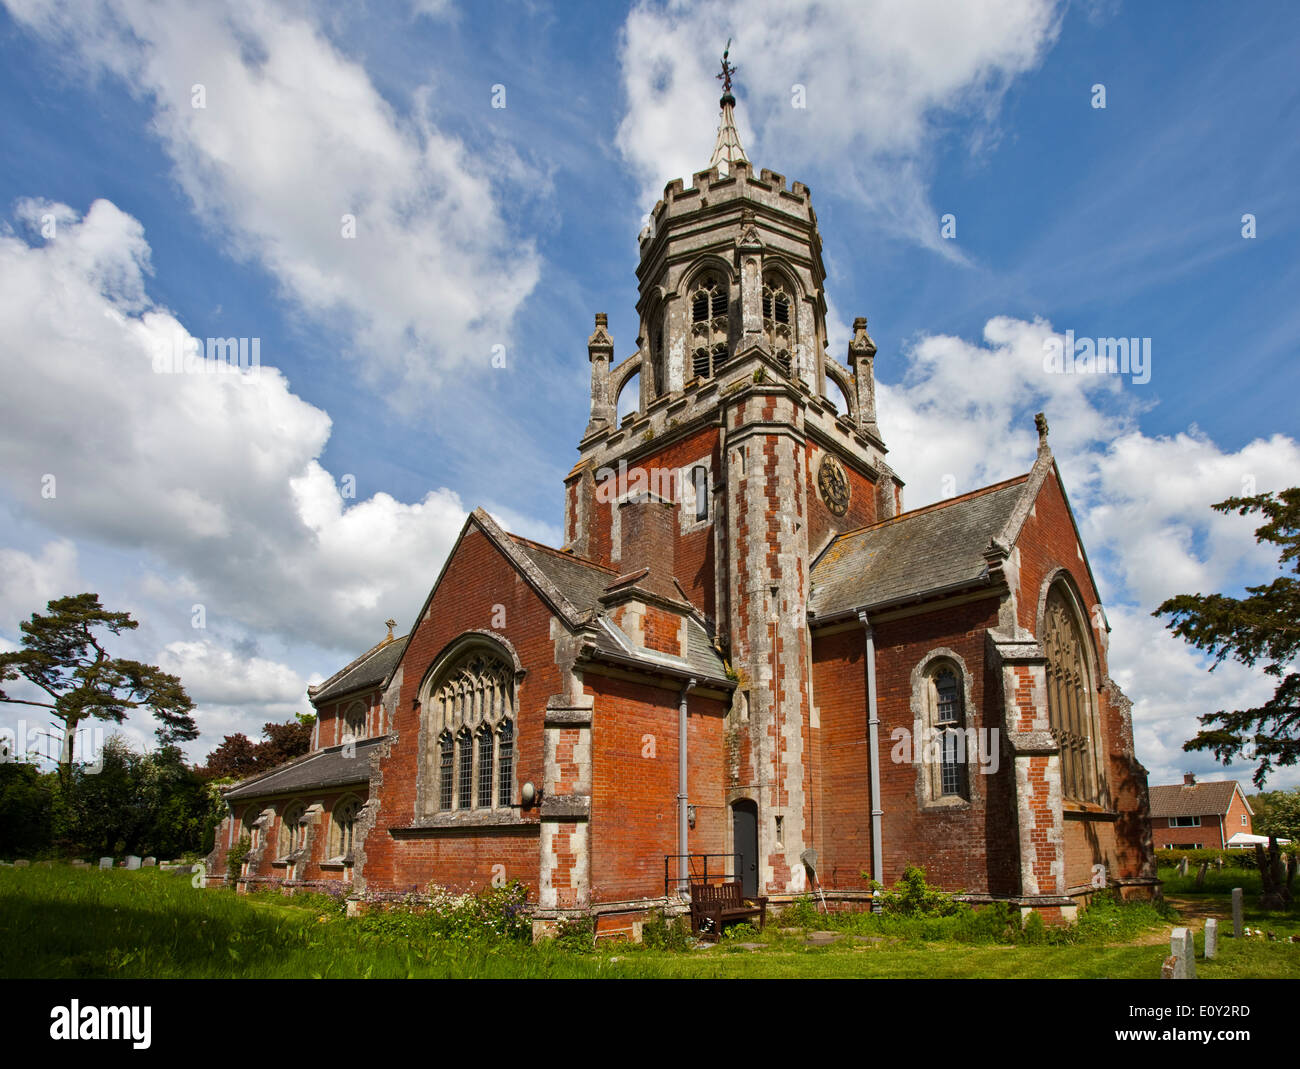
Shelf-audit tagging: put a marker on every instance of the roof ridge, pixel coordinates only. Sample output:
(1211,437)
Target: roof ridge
(357,662)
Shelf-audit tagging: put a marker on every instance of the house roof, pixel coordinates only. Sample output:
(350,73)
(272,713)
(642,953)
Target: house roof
(336,766)
(918,553)
(582,582)
(1193,800)
(368,670)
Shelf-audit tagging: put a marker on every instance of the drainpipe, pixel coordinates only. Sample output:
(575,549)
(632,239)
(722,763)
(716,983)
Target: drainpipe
(683,828)
(873,743)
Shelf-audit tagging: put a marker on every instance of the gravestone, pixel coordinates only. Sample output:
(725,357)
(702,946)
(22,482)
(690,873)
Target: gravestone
(1183,948)
(1237,908)
(105,862)
(132,861)
(1182,866)
(21,863)
(1169,968)
(150,862)
(79,864)
(1201,870)
(1211,939)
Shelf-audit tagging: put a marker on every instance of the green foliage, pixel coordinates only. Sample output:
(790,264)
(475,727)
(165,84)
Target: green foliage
(26,809)
(62,656)
(741,932)
(1277,813)
(498,914)
(801,913)
(913,897)
(576,935)
(237,855)
(659,933)
(1265,626)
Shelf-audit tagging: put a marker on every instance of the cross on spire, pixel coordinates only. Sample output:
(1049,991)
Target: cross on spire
(725,77)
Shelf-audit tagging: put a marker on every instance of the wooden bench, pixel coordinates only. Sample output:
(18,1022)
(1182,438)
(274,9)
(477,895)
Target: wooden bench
(716,904)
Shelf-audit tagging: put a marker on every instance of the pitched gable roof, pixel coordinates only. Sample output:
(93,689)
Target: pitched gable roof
(920,553)
(336,766)
(1194,799)
(368,670)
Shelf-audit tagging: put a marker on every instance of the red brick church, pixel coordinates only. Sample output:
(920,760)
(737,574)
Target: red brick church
(747,656)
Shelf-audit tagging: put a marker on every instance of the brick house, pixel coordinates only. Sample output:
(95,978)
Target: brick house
(746,655)
(1199,816)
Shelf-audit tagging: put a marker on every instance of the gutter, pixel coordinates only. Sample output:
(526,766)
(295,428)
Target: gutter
(873,743)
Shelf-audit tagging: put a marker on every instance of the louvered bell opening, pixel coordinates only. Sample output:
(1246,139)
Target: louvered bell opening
(700,363)
(781,306)
(720,355)
(700,308)
(719,304)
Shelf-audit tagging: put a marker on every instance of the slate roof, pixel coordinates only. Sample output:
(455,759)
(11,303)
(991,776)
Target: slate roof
(368,670)
(1193,800)
(583,582)
(324,768)
(910,556)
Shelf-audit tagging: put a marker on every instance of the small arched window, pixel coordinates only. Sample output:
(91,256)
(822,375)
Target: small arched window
(946,746)
(293,830)
(252,818)
(346,812)
(354,722)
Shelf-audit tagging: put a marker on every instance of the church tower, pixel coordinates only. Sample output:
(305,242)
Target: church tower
(735,437)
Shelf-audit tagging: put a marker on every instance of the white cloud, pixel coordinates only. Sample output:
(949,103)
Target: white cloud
(879,78)
(27,582)
(212,478)
(293,136)
(213,675)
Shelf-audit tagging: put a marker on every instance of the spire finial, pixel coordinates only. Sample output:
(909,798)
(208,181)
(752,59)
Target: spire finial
(725,77)
(727,149)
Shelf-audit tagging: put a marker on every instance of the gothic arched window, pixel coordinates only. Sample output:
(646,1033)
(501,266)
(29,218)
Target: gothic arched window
(293,831)
(944,747)
(778,319)
(1070,706)
(346,812)
(708,326)
(470,712)
(354,722)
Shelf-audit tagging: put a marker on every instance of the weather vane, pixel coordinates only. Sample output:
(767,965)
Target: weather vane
(727,71)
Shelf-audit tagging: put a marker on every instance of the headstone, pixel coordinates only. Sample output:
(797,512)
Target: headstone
(1182,866)
(1237,908)
(132,862)
(1218,863)
(1183,948)
(105,862)
(79,864)
(150,862)
(1211,939)
(1169,968)
(1201,870)
(21,863)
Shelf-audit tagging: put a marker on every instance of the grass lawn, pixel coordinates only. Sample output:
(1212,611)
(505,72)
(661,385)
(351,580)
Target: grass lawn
(62,922)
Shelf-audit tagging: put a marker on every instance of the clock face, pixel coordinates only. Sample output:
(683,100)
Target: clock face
(834,485)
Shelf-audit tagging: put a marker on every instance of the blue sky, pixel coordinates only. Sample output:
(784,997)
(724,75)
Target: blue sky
(482,226)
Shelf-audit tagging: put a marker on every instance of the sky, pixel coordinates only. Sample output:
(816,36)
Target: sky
(414,209)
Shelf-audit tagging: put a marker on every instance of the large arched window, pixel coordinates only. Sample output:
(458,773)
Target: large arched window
(1071,706)
(778,318)
(471,711)
(709,350)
